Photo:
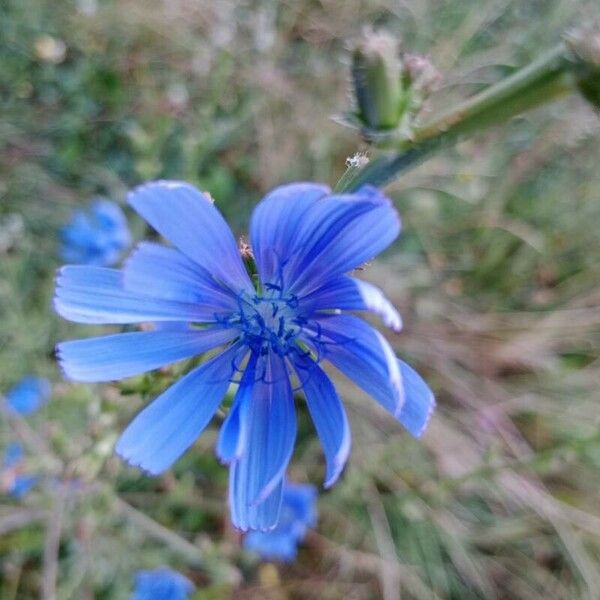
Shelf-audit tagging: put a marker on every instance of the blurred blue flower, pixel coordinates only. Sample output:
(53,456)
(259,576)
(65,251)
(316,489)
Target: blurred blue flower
(298,514)
(95,236)
(14,482)
(30,394)
(161,584)
(276,326)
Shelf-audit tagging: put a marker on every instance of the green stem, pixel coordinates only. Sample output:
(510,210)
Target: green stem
(542,81)
(553,75)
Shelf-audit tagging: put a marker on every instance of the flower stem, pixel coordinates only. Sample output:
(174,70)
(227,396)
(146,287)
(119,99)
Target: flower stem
(557,73)
(542,81)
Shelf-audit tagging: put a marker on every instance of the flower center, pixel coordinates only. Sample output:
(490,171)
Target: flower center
(270,320)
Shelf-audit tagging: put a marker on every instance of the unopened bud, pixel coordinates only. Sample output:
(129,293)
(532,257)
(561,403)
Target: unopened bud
(420,74)
(390,88)
(248,259)
(245,249)
(377,78)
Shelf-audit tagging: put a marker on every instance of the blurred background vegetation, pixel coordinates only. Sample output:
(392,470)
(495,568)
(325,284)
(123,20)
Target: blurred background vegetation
(496,273)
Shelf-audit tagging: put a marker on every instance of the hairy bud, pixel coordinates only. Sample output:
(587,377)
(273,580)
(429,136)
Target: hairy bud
(389,87)
(377,79)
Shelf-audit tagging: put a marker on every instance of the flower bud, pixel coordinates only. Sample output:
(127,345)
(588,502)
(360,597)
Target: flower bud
(420,75)
(390,87)
(377,79)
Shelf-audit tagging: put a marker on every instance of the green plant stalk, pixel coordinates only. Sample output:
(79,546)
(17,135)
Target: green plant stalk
(553,75)
(542,81)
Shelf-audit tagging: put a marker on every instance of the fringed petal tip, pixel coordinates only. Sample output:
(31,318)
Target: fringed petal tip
(66,368)
(139,464)
(328,415)
(376,302)
(169,425)
(338,469)
(419,402)
(427,418)
(245,528)
(62,364)
(245,515)
(56,305)
(392,319)
(430,412)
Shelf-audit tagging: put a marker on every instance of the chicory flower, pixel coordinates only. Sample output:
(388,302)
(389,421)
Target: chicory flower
(275,328)
(95,236)
(161,584)
(14,481)
(298,514)
(29,394)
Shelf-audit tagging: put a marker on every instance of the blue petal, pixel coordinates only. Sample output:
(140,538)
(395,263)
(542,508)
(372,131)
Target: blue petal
(302,499)
(328,415)
(245,514)
(363,355)
(272,545)
(419,401)
(188,218)
(172,326)
(270,432)
(22,485)
(348,293)
(168,426)
(275,222)
(161,584)
(298,513)
(230,443)
(161,272)
(110,217)
(13,454)
(95,295)
(96,236)
(232,436)
(339,234)
(125,354)
(29,395)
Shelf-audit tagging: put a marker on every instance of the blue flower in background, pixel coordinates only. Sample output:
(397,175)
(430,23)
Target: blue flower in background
(14,482)
(276,330)
(30,394)
(161,584)
(96,236)
(298,514)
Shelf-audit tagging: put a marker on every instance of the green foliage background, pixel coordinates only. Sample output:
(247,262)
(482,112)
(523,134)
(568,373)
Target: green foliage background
(496,275)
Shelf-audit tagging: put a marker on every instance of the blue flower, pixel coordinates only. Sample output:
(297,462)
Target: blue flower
(96,236)
(298,514)
(277,328)
(30,394)
(14,482)
(161,584)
